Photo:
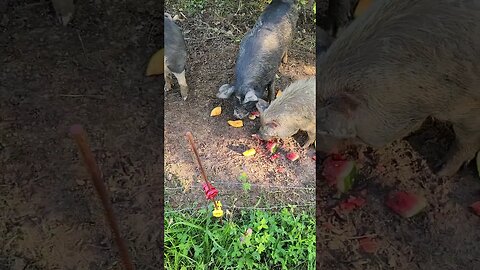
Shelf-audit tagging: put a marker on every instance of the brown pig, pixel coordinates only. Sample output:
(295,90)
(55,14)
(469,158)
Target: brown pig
(294,110)
(403,62)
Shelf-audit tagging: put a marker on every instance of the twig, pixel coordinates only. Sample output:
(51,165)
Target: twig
(83,47)
(88,96)
(79,136)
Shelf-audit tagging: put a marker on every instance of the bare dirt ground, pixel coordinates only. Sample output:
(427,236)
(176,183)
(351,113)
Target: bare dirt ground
(90,72)
(212,38)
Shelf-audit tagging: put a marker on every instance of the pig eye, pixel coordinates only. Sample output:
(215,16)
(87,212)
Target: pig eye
(273,124)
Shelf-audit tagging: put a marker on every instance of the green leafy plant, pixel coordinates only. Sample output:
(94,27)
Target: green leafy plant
(249,240)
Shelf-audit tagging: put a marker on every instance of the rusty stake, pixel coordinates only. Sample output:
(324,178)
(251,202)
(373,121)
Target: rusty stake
(80,138)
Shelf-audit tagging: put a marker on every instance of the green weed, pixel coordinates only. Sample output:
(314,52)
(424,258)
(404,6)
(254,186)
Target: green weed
(250,240)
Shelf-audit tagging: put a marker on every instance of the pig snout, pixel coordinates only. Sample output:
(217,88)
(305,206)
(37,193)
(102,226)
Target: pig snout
(240,112)
(264,135)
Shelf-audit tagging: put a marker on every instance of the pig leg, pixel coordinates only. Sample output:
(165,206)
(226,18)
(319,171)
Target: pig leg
(168,79)
(311,139)
(285,57)
(466,145)
(271,90)
(183,84)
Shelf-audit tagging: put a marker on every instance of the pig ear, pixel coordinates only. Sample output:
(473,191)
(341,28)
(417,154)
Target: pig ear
(250,96)
(262,105)
(336,118)
(225,91)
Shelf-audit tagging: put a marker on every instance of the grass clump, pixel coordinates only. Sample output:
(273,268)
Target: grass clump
(250,240)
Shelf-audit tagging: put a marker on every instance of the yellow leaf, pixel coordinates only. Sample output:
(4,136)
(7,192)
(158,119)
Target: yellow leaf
(251,117)
(237,123)
(362,7)
(279,93)
(155,66)
(250,152)
(216,111)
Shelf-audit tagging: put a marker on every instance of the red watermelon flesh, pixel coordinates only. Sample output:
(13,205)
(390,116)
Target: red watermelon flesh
(476,208)
(292,156)
(406,204)
(339,173)
(272,147)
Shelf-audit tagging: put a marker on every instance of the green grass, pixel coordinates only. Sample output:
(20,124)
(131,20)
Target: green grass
(250,240)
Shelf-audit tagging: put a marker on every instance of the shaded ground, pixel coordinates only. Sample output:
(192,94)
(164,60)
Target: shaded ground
(91,72)
(212,38)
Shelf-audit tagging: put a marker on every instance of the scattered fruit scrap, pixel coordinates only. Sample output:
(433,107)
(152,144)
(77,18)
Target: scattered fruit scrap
(253,115)
(292,156)
(476,208)
(406,204)
(236,123)
(155,66)
(250,152)
(275,156)
(368,245)
(272,147)
(339,173)
(216,111)
(351,204)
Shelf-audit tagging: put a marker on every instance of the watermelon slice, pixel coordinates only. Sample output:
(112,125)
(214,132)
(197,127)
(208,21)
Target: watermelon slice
(351,204)
(476,208)
(272,147)
(406,204)
(339,173)
(368,245)
(292,156)
(275,156)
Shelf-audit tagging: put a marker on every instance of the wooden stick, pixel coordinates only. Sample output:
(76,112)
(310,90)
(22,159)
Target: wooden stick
(197,157)
(80,138)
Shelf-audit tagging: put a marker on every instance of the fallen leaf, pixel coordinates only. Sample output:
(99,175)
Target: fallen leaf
(249,152)
(251,117)
(476,208)
(155,66)
(368,245)
(279,93)
(236,123)
(216,111)
(280,169)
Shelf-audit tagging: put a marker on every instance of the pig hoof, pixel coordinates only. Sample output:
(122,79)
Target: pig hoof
(446,169)
(225,91)
(184,92)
